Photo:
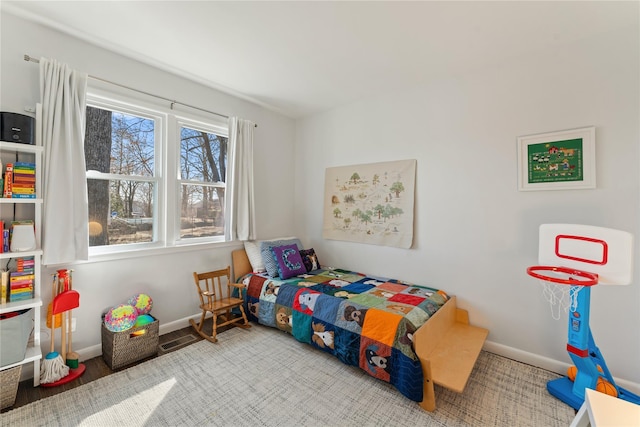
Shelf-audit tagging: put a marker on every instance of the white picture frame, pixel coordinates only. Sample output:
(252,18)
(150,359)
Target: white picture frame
(562,160)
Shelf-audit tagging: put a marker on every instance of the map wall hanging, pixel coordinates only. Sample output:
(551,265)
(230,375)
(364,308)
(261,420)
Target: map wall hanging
(370,203)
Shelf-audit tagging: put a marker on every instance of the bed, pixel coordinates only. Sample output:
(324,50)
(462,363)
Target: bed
(410,336)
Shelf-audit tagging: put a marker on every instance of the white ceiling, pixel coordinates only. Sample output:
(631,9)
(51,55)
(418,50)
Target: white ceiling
(300,58)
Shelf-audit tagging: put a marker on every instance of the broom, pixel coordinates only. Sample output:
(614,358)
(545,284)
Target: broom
(53,368)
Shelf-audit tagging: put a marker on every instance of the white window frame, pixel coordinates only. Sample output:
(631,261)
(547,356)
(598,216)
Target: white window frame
(218,129)
(167,180)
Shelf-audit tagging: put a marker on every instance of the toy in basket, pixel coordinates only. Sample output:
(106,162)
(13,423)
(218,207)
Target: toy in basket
(129,332)
(58,369)
(566,252)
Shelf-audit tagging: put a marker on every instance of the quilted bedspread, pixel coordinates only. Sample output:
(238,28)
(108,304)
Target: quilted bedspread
(362,320)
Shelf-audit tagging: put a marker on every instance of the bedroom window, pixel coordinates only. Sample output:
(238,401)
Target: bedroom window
(203,172)
(155,179)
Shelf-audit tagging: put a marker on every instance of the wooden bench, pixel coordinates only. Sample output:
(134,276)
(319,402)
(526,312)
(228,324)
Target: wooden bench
(448,347)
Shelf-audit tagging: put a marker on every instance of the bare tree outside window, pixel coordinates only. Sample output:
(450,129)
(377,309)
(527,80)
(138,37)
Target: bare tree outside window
(148,186)
(121,207)
(203,171)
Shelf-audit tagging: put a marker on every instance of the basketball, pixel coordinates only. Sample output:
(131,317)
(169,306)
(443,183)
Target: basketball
(572,371)
(606,387)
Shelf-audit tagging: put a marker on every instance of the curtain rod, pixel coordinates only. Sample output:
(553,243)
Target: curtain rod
(173,102)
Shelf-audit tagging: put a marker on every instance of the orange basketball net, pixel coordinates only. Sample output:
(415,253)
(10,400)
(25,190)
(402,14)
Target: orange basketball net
(561,285)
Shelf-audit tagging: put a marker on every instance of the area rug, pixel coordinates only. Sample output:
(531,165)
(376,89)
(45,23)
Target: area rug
(263,377)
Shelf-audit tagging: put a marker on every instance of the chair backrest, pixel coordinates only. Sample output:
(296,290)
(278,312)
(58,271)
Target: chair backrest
(212,283)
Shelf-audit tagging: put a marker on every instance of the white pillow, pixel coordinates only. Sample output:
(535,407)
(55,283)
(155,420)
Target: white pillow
(252,248)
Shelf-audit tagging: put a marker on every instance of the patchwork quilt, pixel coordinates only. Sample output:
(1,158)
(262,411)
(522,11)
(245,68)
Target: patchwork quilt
(362,320)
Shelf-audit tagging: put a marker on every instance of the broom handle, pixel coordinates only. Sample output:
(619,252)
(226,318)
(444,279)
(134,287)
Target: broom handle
(63,344)
(70,322)
(53,331)
(53,317)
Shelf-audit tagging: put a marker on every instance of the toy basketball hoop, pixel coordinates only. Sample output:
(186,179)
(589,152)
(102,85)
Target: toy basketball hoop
(561,285)
(584,256)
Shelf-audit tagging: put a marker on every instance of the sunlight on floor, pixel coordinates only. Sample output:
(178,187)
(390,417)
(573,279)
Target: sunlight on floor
(134,410)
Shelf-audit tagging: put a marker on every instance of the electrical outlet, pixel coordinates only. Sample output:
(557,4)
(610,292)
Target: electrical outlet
(73,325)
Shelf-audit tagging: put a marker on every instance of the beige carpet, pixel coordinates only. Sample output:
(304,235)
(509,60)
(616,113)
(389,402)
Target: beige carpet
(263,377)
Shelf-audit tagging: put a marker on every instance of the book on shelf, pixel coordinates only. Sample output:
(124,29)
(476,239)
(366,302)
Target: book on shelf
(23,189)
(21,296)
(20,284)
(19,281)
(19,180)
(24,168)
(8,180)
(4,287)
(5,240)
(25,286)
(25,264)
(17,277)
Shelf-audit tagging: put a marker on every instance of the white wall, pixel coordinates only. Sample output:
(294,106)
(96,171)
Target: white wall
(166,278)
(475,233)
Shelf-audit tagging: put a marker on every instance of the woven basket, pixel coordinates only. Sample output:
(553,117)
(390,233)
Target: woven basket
(124,348)
(9,380)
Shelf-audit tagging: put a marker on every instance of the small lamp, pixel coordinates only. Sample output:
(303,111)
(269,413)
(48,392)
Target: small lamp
(23,238)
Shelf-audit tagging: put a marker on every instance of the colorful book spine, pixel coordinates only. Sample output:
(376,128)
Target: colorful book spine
(23,180)
(20,283)
(21,296)
(4,287)
(5,240)
(25,264)
(8,180)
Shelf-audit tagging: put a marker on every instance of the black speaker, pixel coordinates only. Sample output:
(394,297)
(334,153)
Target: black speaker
(17,128)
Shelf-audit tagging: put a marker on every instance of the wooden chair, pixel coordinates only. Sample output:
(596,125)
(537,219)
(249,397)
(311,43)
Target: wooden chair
(214,301)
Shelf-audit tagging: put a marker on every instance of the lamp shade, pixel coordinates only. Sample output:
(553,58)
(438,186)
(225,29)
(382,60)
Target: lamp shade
(23,238)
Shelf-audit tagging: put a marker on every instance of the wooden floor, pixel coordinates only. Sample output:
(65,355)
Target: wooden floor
(97,368)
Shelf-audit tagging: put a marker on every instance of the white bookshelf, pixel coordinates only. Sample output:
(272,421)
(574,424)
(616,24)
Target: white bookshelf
(23,209)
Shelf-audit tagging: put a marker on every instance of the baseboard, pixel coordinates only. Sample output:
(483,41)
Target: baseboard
(546,363)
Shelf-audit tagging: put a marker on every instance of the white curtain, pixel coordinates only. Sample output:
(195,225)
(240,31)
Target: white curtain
(65,230)
(240,209)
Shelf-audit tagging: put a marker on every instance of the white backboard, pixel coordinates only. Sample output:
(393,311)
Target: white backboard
(604,251)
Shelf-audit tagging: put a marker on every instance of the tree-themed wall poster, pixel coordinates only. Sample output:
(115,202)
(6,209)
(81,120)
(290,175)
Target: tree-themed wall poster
(370,203)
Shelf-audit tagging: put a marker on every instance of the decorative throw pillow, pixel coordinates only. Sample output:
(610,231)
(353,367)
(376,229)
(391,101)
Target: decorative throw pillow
(289,261)
(252,248)
(310,259)
(268,259)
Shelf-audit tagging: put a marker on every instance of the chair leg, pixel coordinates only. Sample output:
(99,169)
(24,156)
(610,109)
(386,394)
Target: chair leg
(246,324)
(198,328)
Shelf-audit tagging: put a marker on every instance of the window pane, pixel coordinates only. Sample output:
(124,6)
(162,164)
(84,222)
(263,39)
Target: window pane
(119,143)
(120,212)
(203,156)
(202,211)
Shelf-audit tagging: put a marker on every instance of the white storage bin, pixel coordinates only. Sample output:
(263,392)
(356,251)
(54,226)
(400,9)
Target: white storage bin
(15,330)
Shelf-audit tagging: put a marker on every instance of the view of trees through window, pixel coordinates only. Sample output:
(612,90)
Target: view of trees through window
(203,171)
(121,206)
(123,195)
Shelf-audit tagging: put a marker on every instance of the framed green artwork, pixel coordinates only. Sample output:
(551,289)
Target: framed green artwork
(563,160)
